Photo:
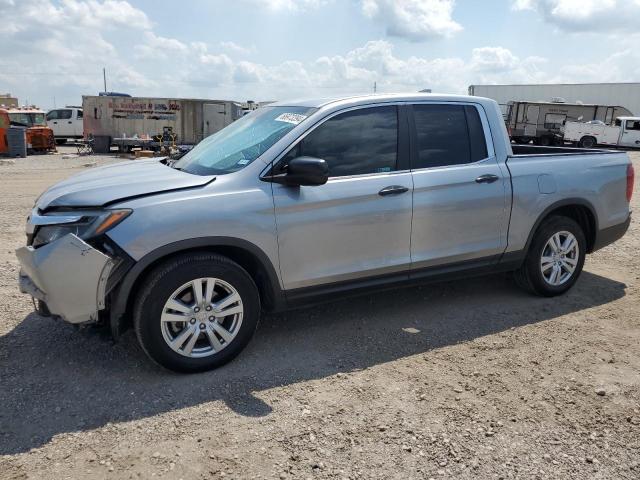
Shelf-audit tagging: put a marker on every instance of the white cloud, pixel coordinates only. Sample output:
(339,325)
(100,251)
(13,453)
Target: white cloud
(239,49)
(290,5)
(160,48)
(609,16)
(52,56)
(64,45)
(415,20)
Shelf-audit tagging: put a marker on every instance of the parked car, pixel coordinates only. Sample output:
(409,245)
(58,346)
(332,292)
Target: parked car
(66,123)
(309,200)
(624,133)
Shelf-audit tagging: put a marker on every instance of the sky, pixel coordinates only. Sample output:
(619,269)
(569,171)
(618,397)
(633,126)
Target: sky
(53,51)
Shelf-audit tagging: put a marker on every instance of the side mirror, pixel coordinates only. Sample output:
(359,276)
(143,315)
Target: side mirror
(303,171)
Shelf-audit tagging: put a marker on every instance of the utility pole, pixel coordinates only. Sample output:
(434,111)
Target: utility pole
(375,87)
(104,77)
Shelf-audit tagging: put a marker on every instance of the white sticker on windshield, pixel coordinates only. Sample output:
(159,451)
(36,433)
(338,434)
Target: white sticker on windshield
(294,118)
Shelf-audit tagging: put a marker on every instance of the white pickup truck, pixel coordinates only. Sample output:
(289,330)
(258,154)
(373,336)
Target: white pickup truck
(625,133)
(66,123)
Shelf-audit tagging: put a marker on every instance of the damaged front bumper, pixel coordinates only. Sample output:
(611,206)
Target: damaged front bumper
(69,275)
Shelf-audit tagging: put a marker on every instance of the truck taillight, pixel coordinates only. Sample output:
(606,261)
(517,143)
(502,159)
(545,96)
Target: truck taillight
(630,178)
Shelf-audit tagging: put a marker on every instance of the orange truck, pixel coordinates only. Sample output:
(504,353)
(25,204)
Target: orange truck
(39,137)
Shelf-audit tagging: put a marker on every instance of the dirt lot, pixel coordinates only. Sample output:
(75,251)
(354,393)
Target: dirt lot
(473,379)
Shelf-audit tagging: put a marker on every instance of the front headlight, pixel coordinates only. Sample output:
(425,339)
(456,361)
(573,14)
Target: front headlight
(85,226)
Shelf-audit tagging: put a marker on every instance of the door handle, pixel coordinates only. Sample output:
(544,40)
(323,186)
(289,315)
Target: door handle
(69,123)
(392,190)
(488,178)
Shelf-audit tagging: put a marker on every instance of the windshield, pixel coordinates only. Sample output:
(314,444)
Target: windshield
(236,146)
(24,119)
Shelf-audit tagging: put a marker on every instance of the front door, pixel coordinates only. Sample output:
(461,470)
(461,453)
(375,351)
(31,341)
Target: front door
(460,201)
(65,123)
(630,136)
(358,224)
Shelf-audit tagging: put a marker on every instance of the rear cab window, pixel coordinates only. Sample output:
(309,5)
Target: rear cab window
(447,134)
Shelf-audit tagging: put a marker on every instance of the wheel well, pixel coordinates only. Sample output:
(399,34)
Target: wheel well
(583,216)
(241,256)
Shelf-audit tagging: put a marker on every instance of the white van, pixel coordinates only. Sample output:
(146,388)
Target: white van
(66,123)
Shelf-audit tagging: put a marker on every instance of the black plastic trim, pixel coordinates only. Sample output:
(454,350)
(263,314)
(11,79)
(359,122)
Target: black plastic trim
(317,294)
(121,293)
(559,204)
(403,161)
(608,235)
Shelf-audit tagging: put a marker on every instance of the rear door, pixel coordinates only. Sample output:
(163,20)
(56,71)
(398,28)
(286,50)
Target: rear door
(213,118)
(358,224)
(460,204)
(531,120)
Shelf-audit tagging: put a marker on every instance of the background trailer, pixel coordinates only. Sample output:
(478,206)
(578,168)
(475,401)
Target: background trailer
(623,94)
(110,119)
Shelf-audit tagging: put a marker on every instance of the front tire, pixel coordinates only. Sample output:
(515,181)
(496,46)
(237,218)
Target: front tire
(196,312)
(555,258)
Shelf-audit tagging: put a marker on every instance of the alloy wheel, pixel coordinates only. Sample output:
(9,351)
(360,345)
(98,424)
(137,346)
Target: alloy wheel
(559,258)
(202,317)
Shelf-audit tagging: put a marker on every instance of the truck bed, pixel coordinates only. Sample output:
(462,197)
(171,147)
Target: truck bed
(535,150)
(544,178)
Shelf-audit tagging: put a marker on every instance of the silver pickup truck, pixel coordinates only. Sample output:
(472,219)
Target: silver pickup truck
(308,200)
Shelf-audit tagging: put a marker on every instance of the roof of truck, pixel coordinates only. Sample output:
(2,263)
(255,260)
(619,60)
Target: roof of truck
(376,98)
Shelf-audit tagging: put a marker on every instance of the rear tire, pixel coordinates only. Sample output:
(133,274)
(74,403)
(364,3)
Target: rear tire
(537,273)
(544,141)
(587,142)
(211,333)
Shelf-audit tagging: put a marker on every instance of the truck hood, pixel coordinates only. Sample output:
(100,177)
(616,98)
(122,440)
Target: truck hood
(105,185)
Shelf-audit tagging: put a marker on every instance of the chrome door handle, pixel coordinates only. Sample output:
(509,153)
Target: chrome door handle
(392,190)
(488,178)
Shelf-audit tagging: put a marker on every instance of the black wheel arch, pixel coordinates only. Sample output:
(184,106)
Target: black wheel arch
(579,209)
(246,254)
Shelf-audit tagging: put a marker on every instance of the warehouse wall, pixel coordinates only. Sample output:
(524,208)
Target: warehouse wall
(624,94)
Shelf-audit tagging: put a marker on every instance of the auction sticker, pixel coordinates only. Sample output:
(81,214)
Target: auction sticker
(294,118)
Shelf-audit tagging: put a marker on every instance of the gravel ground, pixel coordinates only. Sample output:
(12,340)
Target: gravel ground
(472,379)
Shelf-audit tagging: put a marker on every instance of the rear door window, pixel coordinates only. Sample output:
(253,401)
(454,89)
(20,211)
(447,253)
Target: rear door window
(448,135)
(79,114)
(64,114)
